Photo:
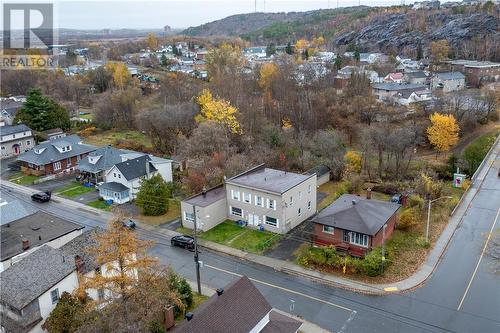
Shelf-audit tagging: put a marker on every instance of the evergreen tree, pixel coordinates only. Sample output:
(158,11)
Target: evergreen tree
(41,113)
(288,48)
(153,196)
(357,56)
(164,60)
(270,49)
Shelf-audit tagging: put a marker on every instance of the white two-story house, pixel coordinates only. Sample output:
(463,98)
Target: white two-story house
(15,140)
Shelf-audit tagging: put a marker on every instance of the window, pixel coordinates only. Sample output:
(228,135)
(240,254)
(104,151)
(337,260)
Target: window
(300,212)
(345,236)
(358,239)
(114,174)
(28,142)
(309,205)
(3,147)
(119,176)
(247,197)
(271,204)
(259,201)
(271,221)
(57,165)
(309,189)
(188,216)
(68,161)
(54,295)
(68,148)
(328,230)
(291,201)
(236,211)
(13,136)
(235,195)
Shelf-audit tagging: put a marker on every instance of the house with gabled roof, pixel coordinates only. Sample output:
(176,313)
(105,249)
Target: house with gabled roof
(15,140)
(237,308)
(355,225)
(55,156)
(449,81)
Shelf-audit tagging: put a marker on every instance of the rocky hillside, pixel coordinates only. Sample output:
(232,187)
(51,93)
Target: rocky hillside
(472,32)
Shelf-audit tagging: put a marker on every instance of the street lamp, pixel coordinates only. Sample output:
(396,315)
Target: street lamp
(196,259)
(429,216)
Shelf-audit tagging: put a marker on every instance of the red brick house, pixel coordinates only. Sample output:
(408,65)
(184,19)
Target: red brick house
(354,224)
(59,155)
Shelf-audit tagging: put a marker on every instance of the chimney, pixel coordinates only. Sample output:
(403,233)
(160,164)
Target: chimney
(168,318)
(353,202)
(369,193)
(26,244)
(189,316)
(79,264)
(220,291)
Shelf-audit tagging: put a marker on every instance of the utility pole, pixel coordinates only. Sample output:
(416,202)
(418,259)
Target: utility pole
(429,216)
(197,262)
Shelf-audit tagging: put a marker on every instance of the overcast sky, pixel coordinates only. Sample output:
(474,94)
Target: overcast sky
(179,14)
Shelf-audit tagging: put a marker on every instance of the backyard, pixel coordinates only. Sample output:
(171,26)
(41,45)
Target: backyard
(242,238)
(113,137)
(173,213)
(74,189)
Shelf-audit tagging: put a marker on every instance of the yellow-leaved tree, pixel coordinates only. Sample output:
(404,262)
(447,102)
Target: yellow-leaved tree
(268,72)
(443,131)
(301,45)
(353,161)
(218,110)
(152,41)
(121,75)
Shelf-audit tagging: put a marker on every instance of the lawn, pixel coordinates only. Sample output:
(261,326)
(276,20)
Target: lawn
(74,189)
(112,136)
(99,204)
(333,190)
(242,238)
(22,179)
(174,213)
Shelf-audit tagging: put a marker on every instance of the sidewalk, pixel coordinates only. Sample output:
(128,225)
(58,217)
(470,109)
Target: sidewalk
(287,267)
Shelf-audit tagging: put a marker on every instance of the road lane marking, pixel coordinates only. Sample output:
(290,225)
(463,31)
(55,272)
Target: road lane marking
(281,288)
(479,261)
(391,289)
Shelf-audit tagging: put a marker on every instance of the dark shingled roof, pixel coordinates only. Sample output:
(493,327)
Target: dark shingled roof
(107,157)
(237,310)
(365,216)
(279,323)
(398,86)
(38,228)
(319,170)
(114,187)
(211,196)
(267,179)
(135,168)
(8,130)
(29,278)
(80,245)
(51,154)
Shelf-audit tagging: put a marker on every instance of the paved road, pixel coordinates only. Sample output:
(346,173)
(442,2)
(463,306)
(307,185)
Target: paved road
(463,294)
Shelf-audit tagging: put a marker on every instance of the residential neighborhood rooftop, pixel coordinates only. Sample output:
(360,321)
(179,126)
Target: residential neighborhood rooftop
(135,168)
(398,86)
(208,197)
(26,280)
(114,187)
(79,246)
(37,228)
(267,179)
(13,129)
(450,76)
(474,63)
(355,213)
(14,210)
(101,159)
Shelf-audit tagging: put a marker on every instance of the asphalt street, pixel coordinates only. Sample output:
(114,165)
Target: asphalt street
(462,295)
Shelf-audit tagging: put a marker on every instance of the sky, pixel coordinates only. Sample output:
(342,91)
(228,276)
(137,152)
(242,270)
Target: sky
(180,14)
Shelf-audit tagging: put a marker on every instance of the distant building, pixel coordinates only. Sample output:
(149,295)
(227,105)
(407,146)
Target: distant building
(476,73)
(8,110)
(417,77)
(392,92)
(449,81)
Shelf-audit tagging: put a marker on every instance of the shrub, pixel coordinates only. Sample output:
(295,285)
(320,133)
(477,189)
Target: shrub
(88,131)
(416,201)
(386,188)
(354,184)
(408,218)
(371,265)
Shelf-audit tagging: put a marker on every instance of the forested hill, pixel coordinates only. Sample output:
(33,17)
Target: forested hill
(472,31)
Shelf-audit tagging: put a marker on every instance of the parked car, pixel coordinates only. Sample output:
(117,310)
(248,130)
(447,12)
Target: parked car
(41,196)
(184,241)
(129,224)
(396,198)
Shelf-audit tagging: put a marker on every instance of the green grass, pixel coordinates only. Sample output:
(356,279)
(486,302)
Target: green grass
(242,238)
(477,150)
(111,136)
(174,213)
(74,189)
(22,179)
(99,204)
(333,190)
(86,116)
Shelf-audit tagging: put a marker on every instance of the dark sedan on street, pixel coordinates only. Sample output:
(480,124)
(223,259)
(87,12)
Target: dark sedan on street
(184,241)
(41,196)
(129,224)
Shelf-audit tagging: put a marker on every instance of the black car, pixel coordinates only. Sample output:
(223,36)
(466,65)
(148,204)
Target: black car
(184,241)
(129,224)
(41,196)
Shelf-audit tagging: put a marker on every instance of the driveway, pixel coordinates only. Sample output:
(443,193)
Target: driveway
(54,184)
(286,247)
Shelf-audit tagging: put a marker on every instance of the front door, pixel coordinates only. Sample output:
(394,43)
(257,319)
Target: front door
(253,219)
(17,149)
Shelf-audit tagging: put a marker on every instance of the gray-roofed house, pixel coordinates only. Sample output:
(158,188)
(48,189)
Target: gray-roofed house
(449,81)
(417,77)
(355,224)
(262,197)
(8,110)
(55,156)
(322,174)
(123,180)
(94,166)
(24,235)
(15,140)
(238,308)
(390,92)
(31,289)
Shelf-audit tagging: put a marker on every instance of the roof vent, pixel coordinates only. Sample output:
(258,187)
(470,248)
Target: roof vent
(35,228)
(189,316)
(353,202)
(220,291)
